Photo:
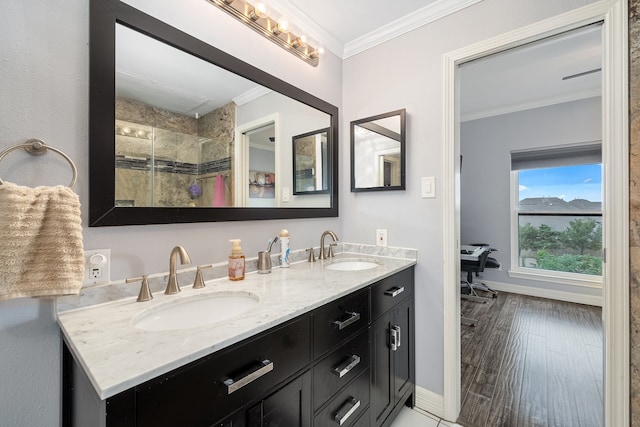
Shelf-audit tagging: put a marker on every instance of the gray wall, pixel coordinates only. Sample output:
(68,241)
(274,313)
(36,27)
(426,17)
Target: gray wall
(486,146)
(45,94)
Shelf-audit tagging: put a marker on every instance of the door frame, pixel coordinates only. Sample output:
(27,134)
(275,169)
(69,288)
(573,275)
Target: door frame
(241,156)
(615,156)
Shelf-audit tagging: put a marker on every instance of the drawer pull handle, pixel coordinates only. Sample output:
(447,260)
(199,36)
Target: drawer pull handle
(264,367)
(394,292)
(341,324)
(340,418)
(344,368)
(396,338)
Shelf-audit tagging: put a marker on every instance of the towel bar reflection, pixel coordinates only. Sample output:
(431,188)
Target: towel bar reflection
(38,147)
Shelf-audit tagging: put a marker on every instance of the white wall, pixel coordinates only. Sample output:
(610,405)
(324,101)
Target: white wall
(44,92)
(407,72)
(486,146)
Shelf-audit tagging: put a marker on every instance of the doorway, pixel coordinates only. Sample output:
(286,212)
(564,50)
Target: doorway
(543,115)
(615,165)
(257,163)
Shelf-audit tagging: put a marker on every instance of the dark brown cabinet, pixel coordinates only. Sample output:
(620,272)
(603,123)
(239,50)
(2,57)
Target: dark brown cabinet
(392,347)
(289,406)
(348,363)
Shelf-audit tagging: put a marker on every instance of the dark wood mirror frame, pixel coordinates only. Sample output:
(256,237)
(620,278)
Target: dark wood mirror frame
(104,14)
(401,138)
(296,189)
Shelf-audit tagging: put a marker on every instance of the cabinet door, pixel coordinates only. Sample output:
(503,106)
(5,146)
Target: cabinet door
(392,363)
(382,387)
(288,407)
(403,365)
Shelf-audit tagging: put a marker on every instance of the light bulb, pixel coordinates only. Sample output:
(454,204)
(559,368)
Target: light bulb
(261,9)
(283,25)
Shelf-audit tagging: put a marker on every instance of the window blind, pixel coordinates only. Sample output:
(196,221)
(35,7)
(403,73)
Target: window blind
(563,155)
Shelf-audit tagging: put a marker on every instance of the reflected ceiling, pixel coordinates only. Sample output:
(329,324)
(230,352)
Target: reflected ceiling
(157,74)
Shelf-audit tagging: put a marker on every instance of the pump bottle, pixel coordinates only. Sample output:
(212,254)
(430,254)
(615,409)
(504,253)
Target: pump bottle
(236,261)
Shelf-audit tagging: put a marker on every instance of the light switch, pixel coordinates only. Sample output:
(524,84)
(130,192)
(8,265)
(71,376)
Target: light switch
(428,187)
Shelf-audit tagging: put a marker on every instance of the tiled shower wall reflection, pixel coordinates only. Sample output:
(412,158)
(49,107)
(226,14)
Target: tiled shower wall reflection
(166,159)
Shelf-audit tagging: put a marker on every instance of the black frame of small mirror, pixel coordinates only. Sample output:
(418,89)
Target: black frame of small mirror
(296,190)
(104,15)
(403,119)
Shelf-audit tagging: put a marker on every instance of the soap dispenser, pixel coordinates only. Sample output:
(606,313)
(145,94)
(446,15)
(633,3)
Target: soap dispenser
(236,261)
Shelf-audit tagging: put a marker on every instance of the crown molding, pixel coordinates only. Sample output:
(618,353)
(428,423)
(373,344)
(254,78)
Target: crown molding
(514,108)
(432,12)
(251,94)
(420,17)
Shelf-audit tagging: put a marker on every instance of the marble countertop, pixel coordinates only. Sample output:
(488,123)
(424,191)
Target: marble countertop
(117,356)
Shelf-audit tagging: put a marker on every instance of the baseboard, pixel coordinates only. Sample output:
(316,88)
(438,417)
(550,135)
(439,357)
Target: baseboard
(430,402)
(546,293)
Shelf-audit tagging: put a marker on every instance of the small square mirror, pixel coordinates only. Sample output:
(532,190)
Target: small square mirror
(378,152)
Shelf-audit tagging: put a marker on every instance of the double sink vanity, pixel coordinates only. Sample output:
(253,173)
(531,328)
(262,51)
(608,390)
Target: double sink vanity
(317,344)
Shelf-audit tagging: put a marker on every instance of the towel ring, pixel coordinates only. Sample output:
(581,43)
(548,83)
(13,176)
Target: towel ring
(38,147)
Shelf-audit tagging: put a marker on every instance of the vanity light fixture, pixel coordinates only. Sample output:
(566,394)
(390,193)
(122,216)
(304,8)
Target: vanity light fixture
(257,17)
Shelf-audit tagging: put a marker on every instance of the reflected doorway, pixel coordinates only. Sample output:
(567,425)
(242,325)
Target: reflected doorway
(257,165)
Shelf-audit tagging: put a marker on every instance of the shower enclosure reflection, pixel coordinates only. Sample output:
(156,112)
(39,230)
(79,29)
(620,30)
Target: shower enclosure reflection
(165,159)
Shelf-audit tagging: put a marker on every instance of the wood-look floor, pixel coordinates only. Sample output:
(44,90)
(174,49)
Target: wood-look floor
(531,362)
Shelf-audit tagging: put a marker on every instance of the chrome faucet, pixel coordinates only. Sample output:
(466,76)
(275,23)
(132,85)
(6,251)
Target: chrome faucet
(329,253)
(172,286)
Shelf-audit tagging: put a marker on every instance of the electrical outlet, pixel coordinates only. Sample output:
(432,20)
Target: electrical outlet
(97,266)
(285,194)
(381,237)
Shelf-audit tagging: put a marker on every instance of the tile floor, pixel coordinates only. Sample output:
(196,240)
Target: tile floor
(414,418)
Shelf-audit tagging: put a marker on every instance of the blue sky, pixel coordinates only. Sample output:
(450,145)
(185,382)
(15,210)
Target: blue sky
(568,182)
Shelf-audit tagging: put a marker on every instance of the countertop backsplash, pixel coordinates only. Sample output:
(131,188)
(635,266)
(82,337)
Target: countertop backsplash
(116,290)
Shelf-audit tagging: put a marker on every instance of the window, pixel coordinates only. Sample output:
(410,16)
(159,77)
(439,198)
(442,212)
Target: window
(557,212)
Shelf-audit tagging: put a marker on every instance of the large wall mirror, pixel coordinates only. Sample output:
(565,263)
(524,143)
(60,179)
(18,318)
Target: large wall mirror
(183,132)
(378,152)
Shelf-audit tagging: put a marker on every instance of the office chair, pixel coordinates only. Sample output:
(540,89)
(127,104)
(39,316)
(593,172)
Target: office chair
(491,263)
(477,267)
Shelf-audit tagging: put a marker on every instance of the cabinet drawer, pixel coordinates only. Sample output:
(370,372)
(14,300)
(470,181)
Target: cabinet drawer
(208,390)
(340,367)
(340,319)
(347,406)
(390,291)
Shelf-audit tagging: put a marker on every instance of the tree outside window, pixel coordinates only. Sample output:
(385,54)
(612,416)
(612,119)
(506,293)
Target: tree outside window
(557,233)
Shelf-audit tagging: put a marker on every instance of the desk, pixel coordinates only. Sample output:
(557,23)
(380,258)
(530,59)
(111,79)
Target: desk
(471,253)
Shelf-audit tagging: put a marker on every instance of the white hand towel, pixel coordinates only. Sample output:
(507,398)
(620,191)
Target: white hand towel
(41,251)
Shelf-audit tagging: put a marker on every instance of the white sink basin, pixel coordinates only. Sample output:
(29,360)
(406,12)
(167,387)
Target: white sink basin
(198,310)
(351,265)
